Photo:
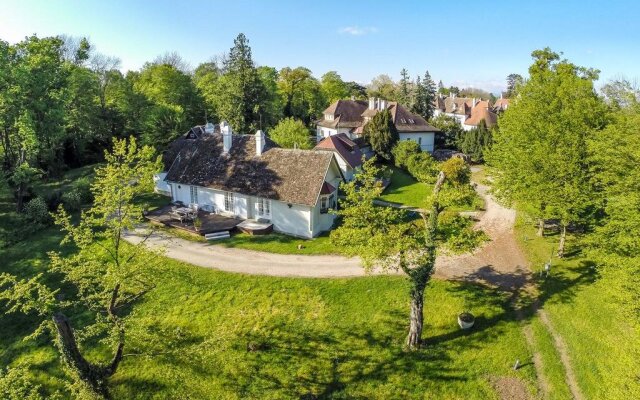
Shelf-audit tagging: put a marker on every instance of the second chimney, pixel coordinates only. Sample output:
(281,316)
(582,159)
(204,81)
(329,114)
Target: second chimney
(260,142)
(227,137)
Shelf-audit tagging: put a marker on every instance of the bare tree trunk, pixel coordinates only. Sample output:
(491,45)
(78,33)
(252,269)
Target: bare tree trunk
(93,375)
(563,237)
(540,227)
(414,338)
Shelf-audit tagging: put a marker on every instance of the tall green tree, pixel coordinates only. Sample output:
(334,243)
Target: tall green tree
(174,103)
(614,155)
(430,92)
(301,93)
(333,87)
(513,82)
(424,96)
(382,135)
(540,149)
(404,92)
(386,237)
(241,93)
(106,274)
(382,86)
(271,110)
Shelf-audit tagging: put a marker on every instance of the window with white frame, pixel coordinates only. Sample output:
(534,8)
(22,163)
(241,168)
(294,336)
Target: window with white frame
(327,201)
(228,201)
(263,208)
(193,190)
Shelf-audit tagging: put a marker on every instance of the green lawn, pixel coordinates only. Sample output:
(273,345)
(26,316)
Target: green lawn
(209,334)
(585,311)
(404,189)
(281,244)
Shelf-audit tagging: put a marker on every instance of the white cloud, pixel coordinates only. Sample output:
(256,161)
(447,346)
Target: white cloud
(358,31)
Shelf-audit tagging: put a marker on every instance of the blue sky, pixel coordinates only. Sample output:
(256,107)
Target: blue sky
(466,43)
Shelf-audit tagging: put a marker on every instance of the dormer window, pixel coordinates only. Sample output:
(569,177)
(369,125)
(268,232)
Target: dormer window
(327,198)
(411,121)
(328,117)
(402,120)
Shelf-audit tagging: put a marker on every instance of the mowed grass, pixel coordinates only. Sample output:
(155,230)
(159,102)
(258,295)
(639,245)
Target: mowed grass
(583,307)
(281,244)
(204,334)
(405,190)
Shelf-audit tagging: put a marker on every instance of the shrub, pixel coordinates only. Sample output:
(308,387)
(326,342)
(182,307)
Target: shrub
(72,200)
(36,211)
(422,167)
(53,199)
(83,187)
(402,151)
(457,171)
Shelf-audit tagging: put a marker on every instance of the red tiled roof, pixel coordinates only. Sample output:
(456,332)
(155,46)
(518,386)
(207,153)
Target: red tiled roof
(482,111)
(344,146)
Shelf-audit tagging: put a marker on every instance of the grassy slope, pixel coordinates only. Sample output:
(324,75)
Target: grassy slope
(604,349)
(339,338)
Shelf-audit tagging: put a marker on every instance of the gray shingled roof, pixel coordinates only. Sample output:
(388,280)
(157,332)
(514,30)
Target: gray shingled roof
(288,175)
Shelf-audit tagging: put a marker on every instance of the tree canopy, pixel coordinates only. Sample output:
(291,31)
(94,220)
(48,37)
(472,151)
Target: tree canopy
(291,133)
(541,147)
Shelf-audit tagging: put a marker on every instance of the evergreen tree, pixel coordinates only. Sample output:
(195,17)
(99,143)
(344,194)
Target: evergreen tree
(441,87)
(240,102)
(476,142)
(419,95)
(404,95)
(429,96)
(382,134)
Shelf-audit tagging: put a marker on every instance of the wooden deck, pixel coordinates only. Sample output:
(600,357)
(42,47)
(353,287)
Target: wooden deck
(210,222)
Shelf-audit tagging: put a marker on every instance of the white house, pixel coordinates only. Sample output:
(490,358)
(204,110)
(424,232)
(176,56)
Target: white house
(249,177)
(350,116)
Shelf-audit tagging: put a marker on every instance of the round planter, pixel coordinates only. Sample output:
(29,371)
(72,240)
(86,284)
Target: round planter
(466,320)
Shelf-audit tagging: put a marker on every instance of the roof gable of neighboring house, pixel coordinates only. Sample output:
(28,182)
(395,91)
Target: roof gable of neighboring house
(288,175)
(501,104)
(482,111)
(346,114)
(458,105)
(345,147)
(408,122)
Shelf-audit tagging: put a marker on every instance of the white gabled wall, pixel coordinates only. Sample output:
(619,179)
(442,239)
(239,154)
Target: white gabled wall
(294,220)
(426,142)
